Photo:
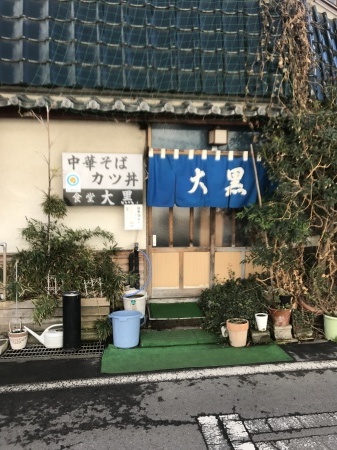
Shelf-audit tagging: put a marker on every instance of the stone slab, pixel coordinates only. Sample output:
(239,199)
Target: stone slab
(260,337)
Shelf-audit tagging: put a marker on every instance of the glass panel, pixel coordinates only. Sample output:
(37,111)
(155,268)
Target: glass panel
(201,227)
(180,136)
(223,228)
(242,239)
(241,140)
(160,226)
(181,224)
(224,224)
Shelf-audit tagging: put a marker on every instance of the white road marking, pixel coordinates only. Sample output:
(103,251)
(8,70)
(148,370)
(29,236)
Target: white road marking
(314,443)
(173,376)
(212,433)
(238,433)
(298,422)
(235,428)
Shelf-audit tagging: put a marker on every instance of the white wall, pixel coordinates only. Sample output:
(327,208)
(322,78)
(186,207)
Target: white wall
(24,175)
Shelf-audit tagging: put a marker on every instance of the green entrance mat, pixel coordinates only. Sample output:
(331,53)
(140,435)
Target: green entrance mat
(148,359)
(183,310)
(167,338)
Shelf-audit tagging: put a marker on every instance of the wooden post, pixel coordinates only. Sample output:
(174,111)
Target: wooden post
(255,174)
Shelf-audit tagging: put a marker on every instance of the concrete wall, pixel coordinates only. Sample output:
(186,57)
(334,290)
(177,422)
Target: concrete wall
(24,174)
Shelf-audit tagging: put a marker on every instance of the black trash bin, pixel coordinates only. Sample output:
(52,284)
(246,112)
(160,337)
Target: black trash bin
(71,321)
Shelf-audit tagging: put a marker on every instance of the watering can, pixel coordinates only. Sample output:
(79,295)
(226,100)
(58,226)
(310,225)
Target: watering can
(51,337)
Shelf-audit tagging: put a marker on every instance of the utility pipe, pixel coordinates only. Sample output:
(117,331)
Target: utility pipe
(4,269)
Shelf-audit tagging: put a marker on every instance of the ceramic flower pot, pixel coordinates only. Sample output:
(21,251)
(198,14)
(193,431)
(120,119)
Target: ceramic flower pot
(261,321)
(330,328)
(237,330)
(280,317)
(18,339)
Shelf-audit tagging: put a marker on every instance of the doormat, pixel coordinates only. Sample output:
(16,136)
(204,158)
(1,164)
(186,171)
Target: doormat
(182,310)
(167,338)
(149,359)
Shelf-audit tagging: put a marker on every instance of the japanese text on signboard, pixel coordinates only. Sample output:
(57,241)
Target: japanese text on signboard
(102,179)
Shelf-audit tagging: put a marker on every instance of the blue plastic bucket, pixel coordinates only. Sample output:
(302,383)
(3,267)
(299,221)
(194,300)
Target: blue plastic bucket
(126,328)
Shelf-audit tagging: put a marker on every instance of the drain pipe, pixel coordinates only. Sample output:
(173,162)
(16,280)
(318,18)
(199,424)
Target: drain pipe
(134,264)
(4,269)
(146,283)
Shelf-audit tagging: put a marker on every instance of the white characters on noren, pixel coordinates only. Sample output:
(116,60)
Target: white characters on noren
(235,187)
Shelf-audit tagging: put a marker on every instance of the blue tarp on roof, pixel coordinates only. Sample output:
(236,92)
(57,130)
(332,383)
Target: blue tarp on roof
(206,47)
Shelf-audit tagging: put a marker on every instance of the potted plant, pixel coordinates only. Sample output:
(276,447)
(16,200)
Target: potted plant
(235,299)
(323,298)
(17,336)
(279,304)
(237,329)
(278,251)
(261,320)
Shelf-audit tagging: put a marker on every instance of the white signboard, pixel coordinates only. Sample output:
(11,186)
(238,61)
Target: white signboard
(102,179)
(133,217)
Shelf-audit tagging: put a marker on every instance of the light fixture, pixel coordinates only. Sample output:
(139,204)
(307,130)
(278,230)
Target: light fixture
(217,136)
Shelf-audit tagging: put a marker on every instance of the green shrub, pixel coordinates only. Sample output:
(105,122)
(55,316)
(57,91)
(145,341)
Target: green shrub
(59,259)
(231,298)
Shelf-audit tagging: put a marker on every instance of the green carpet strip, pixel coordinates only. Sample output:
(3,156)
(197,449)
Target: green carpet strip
(148,359)
(183,310)
(167,338)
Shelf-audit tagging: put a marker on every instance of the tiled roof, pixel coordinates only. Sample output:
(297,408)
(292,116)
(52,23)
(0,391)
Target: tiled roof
(81,102)
(201,51)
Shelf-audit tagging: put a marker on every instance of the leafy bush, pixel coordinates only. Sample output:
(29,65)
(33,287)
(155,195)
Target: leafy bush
(103,329)
(58,259)
(231,298)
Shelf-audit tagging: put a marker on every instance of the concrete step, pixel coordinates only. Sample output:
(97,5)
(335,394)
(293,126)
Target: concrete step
(174,315)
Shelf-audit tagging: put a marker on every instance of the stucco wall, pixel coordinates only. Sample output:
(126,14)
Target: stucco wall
(24,175)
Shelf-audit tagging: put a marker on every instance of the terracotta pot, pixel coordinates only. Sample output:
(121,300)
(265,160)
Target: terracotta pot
(280,317)
(237,329)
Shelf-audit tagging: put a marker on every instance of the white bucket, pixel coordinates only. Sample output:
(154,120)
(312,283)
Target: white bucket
(261,321)
(135,300)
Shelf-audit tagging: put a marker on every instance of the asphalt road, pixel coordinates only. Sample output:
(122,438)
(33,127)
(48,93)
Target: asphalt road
(61,404)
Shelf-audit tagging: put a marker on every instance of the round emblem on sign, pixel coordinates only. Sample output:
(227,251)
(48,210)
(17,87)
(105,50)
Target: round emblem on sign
(73,179)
